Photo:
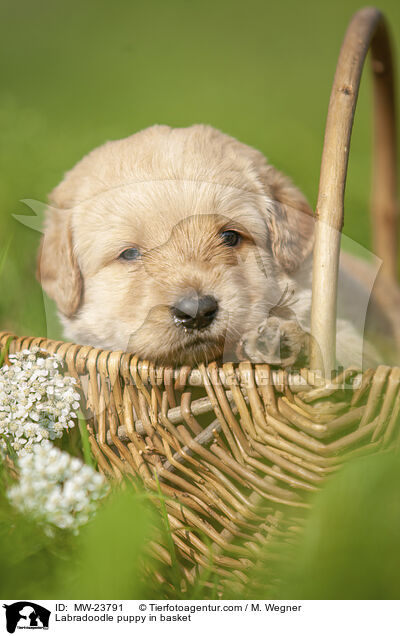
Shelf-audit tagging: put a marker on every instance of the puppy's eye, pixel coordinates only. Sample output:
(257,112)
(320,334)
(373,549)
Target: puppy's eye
(131,254)
(231,238)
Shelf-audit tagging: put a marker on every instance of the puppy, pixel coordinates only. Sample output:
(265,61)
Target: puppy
(183,245)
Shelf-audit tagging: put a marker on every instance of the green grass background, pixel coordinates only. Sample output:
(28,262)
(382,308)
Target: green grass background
(74,75)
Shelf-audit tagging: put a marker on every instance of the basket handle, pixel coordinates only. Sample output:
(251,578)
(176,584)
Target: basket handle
(367,30)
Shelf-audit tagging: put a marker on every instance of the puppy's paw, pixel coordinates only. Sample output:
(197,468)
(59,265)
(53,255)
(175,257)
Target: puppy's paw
(277,342)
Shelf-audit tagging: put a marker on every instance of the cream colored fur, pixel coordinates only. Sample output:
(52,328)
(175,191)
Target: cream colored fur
(170,192)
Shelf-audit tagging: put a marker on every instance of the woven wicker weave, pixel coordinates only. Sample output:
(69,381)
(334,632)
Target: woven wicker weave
(239,449)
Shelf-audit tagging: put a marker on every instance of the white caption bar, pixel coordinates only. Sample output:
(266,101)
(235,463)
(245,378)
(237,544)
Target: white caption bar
(173,617)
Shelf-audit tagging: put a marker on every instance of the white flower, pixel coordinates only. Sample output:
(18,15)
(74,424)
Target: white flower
(56,488)
(36,400)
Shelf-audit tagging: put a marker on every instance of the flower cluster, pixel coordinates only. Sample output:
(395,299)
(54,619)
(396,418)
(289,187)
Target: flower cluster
(36,401)
(56,488)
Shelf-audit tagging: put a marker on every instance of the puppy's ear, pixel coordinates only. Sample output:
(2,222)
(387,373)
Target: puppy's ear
(289,219)
(57,267)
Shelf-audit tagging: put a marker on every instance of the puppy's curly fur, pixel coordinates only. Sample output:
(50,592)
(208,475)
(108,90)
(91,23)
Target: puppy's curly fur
(169,195)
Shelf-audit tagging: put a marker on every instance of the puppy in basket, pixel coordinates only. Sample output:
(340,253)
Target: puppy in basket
(184,245)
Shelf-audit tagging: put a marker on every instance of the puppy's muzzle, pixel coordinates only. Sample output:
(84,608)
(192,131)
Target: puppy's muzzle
(193,312)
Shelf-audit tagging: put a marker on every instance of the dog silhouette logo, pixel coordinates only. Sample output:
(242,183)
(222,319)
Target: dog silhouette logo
(26,615)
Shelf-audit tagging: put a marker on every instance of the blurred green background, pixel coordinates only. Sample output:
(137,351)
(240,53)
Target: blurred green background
(74,75)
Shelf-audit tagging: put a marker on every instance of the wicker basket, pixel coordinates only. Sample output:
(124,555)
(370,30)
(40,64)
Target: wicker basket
(239,449)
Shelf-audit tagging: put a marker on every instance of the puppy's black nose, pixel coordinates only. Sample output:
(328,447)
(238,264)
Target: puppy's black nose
(193,312)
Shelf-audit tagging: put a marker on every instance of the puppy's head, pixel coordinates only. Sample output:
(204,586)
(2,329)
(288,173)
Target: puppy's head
(171,243)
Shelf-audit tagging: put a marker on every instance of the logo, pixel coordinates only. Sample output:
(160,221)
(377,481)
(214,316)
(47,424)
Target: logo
(26,615)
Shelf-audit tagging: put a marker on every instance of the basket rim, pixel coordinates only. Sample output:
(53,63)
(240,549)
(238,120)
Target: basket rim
(227,374)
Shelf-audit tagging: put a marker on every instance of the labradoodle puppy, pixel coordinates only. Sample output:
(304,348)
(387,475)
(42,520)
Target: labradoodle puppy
(184,245)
